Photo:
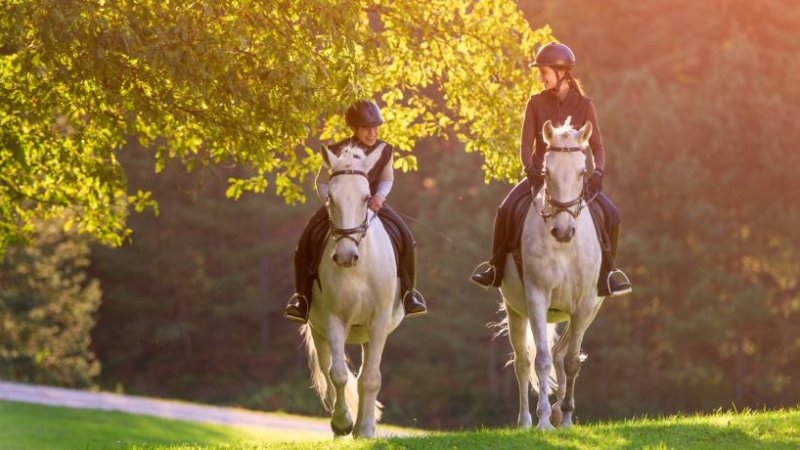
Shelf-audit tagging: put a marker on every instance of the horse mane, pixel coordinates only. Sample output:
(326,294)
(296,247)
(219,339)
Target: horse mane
(565,127)
(565,132)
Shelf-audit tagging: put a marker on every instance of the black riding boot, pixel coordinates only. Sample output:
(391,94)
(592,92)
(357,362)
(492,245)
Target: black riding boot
(612,281)
(505,231)
(413,301)
(403,242)
(488,277)
(306,261)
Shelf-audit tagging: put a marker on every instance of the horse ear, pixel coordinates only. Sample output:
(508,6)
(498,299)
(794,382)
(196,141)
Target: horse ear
(328,158)
(585,133)
(547,132)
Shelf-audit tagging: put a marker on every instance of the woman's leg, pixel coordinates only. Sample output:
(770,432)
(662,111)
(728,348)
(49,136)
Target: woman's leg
(305,257)
(502,237)
(413,301)
(618,283)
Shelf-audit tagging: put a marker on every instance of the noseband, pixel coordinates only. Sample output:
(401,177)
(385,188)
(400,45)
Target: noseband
(556,206)
(361,230)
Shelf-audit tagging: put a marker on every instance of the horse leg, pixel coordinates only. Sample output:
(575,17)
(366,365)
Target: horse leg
(543,363)
(341,421)
(559,352)
(572,365)
(327,393)
(369,382)
(518,335)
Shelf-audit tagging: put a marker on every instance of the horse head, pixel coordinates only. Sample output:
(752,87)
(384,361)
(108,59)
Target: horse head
(348,198)
(564,171)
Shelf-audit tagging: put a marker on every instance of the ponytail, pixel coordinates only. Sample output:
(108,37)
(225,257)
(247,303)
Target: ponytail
(575,83)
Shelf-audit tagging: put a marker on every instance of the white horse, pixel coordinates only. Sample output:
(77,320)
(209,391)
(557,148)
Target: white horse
(561,264)
(354,301)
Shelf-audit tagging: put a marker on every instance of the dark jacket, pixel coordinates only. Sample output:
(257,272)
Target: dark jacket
(374,173)
(546,106)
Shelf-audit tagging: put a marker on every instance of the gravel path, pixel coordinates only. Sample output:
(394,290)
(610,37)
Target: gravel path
(171,409)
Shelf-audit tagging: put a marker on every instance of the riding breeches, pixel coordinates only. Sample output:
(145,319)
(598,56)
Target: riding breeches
(508,225)
(309,250)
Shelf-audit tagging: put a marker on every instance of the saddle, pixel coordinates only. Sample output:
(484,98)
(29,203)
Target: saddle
(519,210)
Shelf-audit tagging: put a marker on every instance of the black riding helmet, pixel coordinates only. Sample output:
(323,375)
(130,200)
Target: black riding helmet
(363,114)
(556,55)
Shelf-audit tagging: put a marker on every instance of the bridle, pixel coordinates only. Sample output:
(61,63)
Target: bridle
(348,233)
(555,206)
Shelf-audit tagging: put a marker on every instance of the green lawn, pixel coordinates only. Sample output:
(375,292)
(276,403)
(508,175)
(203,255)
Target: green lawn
(762,430)
(24,426)
(27,426)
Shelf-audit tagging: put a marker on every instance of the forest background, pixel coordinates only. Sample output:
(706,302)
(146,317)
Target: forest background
(697,102)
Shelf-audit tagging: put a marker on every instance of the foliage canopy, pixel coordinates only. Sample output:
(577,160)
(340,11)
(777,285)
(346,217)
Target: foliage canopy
(247,83)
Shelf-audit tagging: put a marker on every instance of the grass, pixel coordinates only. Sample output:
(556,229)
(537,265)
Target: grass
(745,430)
(25,426)
(29,426)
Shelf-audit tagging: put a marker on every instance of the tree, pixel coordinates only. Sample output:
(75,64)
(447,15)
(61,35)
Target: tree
(696,114)
(248,83)
(47,309)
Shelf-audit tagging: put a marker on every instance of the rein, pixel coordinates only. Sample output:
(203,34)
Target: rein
(558,207)
(348,233)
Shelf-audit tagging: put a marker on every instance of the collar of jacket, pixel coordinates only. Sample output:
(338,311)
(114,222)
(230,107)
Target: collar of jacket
(551,94)
(367,148)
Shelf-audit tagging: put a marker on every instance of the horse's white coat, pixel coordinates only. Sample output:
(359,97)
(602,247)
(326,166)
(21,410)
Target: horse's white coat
(352,303)
(556,276)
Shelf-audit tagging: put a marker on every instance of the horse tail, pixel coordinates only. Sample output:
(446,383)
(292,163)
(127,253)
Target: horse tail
(319,380)
(552,337)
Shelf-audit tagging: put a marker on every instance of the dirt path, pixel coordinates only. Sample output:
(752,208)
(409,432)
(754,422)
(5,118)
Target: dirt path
(171,409)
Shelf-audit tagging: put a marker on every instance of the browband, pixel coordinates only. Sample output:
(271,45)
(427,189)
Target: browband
(349,172)
(565,149)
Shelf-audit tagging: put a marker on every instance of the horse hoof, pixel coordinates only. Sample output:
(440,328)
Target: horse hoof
(341,431)
(556,418)
(364,435)
(545,426)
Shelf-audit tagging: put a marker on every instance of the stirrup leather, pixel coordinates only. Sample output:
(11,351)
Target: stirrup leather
(611,293)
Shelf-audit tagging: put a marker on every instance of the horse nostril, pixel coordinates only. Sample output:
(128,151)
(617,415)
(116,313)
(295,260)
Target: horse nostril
(572,232)
(554,233)
(334,258)
(355,259)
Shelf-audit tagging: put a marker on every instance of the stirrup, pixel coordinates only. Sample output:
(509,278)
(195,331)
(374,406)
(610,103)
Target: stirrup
(480,269)
(422,300)
(612,294)
(297,317)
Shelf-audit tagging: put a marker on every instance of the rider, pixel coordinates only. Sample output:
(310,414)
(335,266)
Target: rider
(364,118)
(562,97)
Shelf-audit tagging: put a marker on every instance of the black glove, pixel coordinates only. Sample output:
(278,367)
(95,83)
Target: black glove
(595,183)
(535,178)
